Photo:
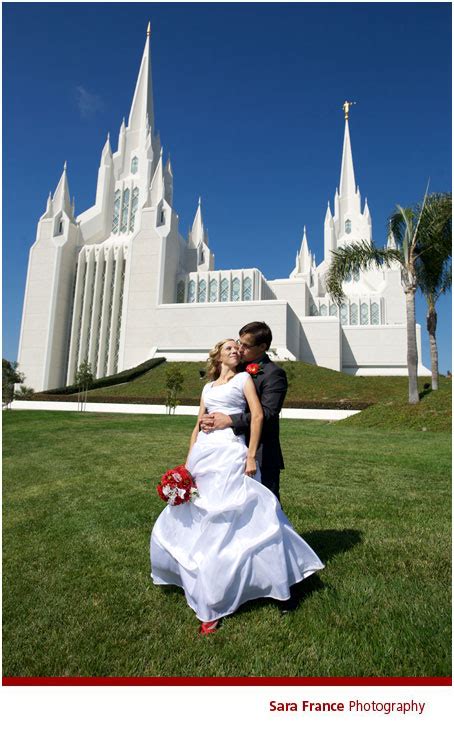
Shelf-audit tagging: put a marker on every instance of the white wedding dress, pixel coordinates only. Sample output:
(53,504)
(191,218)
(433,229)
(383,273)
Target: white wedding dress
(233,543)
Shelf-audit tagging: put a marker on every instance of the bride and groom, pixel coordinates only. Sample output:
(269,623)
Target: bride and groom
(234,542)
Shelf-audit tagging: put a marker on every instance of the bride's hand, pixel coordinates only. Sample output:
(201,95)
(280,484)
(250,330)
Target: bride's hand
(251,466)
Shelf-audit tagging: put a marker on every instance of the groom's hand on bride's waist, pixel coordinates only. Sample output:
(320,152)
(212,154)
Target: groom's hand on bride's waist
(215,421)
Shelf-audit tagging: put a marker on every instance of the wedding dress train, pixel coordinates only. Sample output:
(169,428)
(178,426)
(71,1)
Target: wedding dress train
(233,543)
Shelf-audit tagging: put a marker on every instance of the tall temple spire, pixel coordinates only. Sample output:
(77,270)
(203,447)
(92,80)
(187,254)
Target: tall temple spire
(347,178)
(142,103)
(61,200)
(197,230)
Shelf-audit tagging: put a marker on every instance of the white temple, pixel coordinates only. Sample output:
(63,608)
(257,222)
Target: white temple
(118,284)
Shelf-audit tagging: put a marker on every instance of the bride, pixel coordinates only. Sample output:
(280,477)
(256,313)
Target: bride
(233,543)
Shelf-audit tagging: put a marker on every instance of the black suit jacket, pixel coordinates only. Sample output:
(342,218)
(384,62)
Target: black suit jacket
(271,385)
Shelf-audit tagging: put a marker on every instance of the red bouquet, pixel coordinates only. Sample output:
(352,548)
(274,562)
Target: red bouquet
(177,486)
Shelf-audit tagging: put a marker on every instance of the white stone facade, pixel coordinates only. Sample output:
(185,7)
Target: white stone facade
(118,284)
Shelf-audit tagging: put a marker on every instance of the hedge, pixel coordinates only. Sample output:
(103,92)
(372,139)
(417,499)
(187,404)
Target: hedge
(125,376)
(160,400)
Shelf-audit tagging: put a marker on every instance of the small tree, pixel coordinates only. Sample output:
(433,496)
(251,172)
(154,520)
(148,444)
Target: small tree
(10,377)
(174,386)
(83,379)
(24,393)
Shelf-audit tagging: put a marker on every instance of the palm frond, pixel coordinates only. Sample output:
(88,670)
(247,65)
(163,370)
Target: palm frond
(361,255)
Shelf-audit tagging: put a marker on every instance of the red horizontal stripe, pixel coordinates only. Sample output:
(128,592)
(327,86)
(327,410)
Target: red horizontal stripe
(231,681)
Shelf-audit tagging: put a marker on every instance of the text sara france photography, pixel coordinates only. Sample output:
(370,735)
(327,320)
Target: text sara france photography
(401,707)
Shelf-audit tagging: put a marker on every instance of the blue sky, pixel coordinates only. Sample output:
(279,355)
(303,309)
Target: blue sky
(248,101)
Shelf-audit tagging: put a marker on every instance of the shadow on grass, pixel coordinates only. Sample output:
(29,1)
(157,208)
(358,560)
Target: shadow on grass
(426,390)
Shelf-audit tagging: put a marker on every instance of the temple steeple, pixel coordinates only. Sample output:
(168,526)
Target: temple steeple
(142,102)
(62,201)
(347,186)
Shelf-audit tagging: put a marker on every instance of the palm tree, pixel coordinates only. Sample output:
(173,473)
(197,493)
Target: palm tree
(434,266)
(412,231)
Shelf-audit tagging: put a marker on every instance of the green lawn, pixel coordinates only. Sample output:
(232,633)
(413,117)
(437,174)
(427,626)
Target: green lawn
(307,382)
(79,505)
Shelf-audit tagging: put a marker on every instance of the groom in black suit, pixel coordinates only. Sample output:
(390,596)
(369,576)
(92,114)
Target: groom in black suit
(271,384)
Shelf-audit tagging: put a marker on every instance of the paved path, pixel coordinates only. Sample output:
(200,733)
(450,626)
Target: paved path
(287,413)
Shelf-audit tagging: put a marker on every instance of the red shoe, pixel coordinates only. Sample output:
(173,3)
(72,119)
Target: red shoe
(208,627)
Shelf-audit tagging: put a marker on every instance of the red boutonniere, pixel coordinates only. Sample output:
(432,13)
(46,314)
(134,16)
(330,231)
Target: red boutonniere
(254,369)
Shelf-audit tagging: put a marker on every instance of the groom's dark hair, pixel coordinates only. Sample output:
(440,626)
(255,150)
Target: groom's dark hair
(261,332)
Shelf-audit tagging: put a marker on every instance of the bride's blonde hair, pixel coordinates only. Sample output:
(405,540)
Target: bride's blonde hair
(213,362)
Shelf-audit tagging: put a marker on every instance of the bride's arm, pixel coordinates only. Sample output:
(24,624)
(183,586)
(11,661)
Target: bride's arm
(196,428)
(256,410)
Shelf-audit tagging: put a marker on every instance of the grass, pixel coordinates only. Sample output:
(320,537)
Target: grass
(306,382)
(79,507)
(432,413)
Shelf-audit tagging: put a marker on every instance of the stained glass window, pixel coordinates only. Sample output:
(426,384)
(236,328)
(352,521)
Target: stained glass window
(313,309)
(180,291)
(323,310)
(213,290)
(374,314)
(235,289)
(348,226)
(116,213)
(191,291)
(333,310)
(134,164)
(224,290)
(124,211)
(202,291)
(355,274)
(364,314)
(344,314)
(247,288)
(354,314)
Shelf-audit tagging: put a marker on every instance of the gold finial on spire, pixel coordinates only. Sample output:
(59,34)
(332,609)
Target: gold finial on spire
(149,29)
(346,107)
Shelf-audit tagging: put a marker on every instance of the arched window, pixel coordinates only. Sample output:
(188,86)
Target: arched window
(333,310)
(224,290)
(247,289)
(134,164)
(348,278)
(134,205)
(348,226)
(313,309)
(180,291)
(354,314)
(116,213)
(235,289)
(202,296)
(124,211)
(364,314)
(344,314)
(323,310)
(374,314)
(191,291)
(355,274)
(213,290)
(202,256)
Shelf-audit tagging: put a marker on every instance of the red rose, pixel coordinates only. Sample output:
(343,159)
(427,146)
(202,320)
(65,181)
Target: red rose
(253,369)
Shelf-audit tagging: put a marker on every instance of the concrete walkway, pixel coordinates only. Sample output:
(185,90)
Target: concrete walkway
(139,408)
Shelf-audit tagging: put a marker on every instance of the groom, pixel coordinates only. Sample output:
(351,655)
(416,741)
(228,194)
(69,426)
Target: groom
(271,384)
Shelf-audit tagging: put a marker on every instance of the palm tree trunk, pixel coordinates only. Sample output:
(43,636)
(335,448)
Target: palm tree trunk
(431,328)
(412,349)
